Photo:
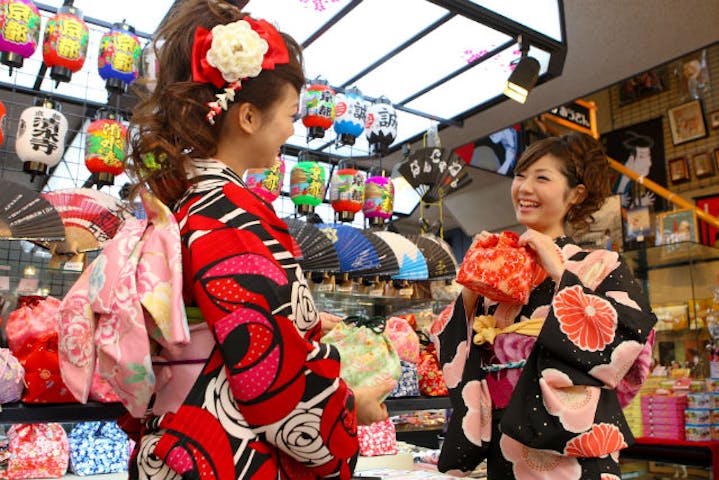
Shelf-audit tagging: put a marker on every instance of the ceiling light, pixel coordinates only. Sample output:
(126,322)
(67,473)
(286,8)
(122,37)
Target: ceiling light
(524,77)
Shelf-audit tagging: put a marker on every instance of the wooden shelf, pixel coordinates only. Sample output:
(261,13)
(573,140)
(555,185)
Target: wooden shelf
(409,404)
(59,412)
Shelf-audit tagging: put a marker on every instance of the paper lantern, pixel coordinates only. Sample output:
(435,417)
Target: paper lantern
(307,186)
(318,108)
(119,58)
(2,122)
(381,126)
(350,116)
(40,140)
(347,192)
(105,148)
(378,197)
(267,182)
(64,47)
(19,31)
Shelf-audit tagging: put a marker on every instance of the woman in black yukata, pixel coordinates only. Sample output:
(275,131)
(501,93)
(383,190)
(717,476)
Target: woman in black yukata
(538,389)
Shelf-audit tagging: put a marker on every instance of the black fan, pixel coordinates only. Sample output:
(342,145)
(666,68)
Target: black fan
(25,215)
(435,173)
(318,253)
(441,264)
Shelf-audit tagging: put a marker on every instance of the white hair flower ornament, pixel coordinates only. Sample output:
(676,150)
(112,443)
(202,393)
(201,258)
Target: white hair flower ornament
(233,52)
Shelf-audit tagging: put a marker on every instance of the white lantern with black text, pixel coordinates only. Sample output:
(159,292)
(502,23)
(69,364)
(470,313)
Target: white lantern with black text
(40,140)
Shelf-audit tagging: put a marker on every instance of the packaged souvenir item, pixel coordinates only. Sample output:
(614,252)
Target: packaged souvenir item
(98,447)
(11,377)
(37,450)
(403,338)
(501,270)
(377,439)
(408,385)
(431,380)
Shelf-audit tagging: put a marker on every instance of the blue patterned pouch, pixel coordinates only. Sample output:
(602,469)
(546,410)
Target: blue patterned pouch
(98,447)
(407,386)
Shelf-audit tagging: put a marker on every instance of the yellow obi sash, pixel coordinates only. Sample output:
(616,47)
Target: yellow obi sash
(486,328)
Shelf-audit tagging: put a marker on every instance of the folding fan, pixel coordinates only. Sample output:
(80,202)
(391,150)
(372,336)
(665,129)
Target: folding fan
(91,217)
(412,265)
(25,215)
(388,263)
(441,264)
(434,173)
(318,253)
(353,249)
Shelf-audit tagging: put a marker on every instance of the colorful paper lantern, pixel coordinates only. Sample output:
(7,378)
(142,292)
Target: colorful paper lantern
(347,192)
(381,126)
(40,140)
(2,122)
(318,108)
(307,186)
(105,146)
(119,58)
(350,116)
(378,197)
(19,31)
(64,47)
(267,182)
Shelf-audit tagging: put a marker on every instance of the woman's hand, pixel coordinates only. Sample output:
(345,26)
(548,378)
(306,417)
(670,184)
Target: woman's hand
(328,321)
(370,408)
(548,254)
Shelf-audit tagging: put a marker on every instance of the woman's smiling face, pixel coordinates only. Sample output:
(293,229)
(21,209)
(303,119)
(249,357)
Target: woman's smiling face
(542,197)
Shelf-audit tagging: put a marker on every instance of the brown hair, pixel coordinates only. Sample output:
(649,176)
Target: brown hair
(169,126)
(583,162)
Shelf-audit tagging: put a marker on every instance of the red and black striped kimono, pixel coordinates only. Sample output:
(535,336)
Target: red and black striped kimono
(538,389)
(269,402)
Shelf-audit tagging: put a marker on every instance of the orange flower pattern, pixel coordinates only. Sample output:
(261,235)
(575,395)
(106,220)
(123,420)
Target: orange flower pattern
(589,321)
(601,440)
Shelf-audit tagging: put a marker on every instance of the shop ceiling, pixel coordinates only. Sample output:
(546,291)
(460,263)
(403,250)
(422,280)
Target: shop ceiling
(440,58)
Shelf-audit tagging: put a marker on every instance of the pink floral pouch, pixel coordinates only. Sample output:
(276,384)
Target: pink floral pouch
(37,450)
(11,377)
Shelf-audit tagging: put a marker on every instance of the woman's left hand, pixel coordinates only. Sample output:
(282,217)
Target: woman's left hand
(328,321)
(548,254)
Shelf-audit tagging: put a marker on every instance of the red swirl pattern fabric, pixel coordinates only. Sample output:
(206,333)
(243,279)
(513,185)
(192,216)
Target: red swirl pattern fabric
(269,402)
(499,269)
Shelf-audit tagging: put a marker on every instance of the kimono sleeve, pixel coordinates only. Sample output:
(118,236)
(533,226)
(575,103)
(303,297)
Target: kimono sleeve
(257,303)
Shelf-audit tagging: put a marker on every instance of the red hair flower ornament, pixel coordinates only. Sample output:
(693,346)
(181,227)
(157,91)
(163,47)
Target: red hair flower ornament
(233,52)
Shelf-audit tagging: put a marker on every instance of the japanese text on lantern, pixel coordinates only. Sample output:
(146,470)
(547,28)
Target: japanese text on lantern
(315,184)
(111,142)
(123,59)
(68,46)
(45,132)
(17,23)
(387,119)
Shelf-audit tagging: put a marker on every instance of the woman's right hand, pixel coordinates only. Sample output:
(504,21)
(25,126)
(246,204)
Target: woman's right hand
(368,400)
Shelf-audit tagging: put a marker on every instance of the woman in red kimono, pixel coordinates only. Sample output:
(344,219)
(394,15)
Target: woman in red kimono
(539,389)
(254,395)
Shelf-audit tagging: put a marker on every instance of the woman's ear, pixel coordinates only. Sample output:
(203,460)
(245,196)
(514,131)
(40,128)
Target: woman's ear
(579,194)
(248,118)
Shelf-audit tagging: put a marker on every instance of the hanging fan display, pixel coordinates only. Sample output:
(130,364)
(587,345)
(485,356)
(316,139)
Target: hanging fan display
(354,250)
(26,215)
(435,173)
(318,253)
(441,264)
(412,264)
(91,217)
(388,263)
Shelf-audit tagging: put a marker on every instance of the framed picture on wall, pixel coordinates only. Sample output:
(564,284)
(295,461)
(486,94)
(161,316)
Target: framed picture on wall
(703,165)
(678,170)
(639,223)
(686,122)
(714,119)
(678,226)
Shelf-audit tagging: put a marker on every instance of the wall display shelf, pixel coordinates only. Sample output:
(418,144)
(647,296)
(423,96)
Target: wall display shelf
(409,404)
(680,280)
(345,304)
(59,412)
